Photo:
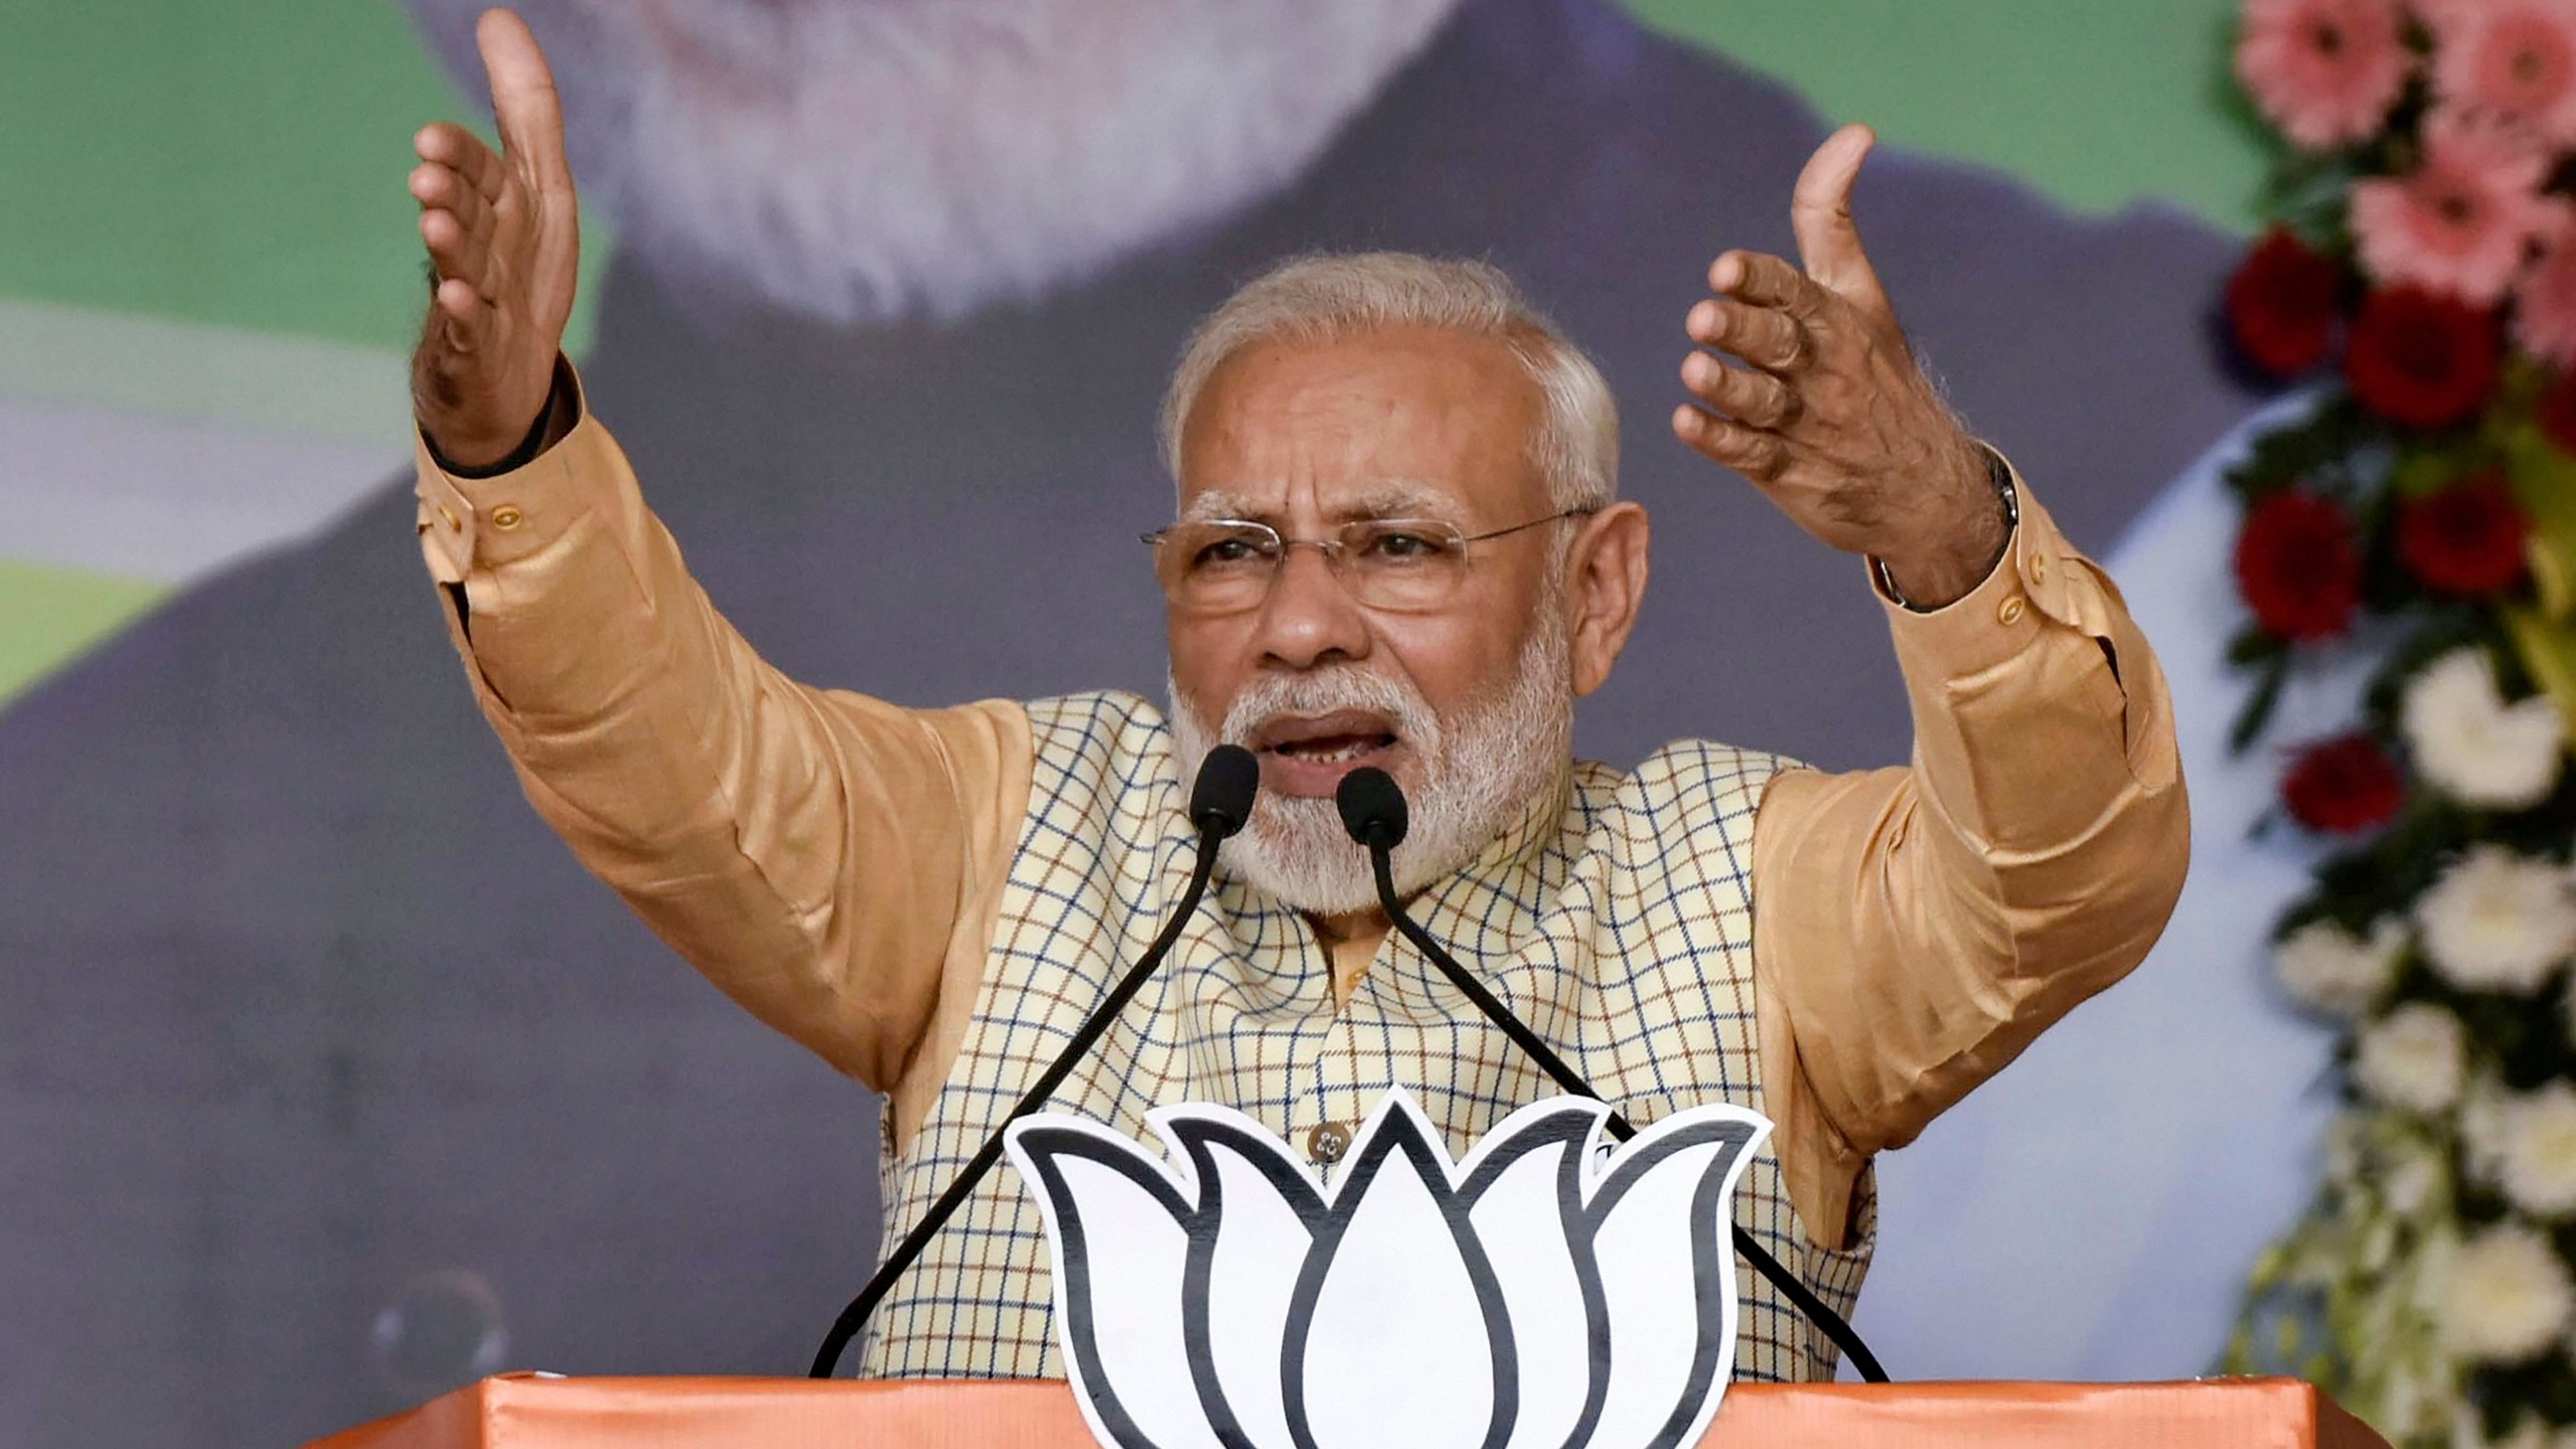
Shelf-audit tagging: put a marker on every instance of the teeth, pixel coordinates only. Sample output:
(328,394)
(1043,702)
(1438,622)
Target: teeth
(1333,755)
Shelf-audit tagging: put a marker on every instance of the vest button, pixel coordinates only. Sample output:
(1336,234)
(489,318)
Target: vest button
(1328,1142)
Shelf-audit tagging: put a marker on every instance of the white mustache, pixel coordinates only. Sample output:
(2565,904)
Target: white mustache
(1270,696)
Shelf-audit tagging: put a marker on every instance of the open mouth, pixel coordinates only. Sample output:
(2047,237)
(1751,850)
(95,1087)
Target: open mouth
(1309,756)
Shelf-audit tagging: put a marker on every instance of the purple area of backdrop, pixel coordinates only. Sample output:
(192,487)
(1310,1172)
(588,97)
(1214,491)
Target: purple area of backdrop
(304,1013)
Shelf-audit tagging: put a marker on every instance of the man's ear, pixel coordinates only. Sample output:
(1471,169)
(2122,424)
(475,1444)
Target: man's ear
(1605,584)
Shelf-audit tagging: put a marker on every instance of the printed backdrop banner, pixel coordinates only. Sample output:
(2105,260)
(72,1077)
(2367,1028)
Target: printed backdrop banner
(328,1081)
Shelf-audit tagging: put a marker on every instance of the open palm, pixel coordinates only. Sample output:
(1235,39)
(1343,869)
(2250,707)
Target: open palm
(504,237)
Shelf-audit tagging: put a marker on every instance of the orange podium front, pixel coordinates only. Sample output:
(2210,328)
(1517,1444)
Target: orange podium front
(526,1412)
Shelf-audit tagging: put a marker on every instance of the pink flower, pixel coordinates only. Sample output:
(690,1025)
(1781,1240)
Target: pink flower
(2462,221)
(2544,304)
(2514,60)
(2325,71)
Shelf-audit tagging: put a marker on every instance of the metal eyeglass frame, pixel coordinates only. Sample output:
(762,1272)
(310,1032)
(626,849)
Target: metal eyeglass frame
(1332,548)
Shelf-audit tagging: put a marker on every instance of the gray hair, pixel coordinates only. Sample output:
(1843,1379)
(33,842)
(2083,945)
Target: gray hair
(1318,298)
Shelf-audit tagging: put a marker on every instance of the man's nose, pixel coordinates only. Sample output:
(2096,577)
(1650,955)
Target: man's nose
(1309,617)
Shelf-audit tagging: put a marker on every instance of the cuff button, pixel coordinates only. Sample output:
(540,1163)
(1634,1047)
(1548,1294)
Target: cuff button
(507,517)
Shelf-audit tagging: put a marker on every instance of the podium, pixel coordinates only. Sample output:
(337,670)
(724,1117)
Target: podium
(520,1411)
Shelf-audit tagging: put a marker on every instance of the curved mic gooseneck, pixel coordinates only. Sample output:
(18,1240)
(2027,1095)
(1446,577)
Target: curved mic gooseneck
(1220,802)
(1373,811)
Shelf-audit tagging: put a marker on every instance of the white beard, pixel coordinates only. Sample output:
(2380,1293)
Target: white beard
(1479,772)
(863,160)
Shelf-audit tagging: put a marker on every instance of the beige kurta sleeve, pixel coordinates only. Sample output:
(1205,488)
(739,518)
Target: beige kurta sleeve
(1915,928)
(810,851)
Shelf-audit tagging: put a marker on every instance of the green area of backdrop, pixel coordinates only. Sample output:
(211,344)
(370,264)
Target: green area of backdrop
(241,166)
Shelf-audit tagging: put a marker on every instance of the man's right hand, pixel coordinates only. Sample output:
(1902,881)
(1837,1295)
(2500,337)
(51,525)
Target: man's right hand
(504,238)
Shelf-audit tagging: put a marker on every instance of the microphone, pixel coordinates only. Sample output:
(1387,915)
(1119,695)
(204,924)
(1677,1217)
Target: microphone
(1374,813)
(1220,802)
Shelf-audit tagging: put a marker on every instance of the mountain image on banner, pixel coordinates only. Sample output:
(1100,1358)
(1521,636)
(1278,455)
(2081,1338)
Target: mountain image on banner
(1549,1291)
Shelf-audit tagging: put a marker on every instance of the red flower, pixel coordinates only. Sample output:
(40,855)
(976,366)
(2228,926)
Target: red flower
(2557,414)
(2298,566)
(2343,785)
(2281,304)
(2421,359)
(2465,540)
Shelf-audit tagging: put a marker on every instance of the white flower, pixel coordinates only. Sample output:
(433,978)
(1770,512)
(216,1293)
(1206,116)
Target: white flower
(2329,969)
(2497,921)
(1226,1296)
(2409,1183)
(2535,1150)
(2482,1128)
(2415,1058)
(2504,1296)
(2478,749)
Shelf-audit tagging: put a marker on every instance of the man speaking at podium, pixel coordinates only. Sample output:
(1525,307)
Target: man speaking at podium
(1398,544)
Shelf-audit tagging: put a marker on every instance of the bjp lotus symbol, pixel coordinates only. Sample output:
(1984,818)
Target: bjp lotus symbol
(1545,1293)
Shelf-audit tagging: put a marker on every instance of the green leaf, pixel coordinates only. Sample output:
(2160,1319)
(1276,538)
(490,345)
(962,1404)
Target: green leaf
(2253,645)
(2258,707)
(2315,450)
(2423,471)
(2544,483)
(2547,650)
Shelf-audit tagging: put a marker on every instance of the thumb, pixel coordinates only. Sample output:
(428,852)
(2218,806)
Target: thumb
(523,95)
(1820,213)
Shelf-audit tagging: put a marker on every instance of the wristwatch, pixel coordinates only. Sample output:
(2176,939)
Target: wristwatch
(1999,473)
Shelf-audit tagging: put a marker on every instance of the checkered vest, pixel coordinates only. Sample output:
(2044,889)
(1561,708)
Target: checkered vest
(1616,920)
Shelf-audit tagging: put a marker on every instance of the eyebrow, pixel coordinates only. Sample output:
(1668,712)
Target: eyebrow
(1392,499)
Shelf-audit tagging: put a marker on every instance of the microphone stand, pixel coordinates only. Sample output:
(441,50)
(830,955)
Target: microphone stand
(1380,834)
(1217,817)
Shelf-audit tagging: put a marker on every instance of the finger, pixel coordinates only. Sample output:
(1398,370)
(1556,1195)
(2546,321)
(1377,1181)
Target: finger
(1820,213)
(1755,399)
(460,150)
(462,314)
(1760,335)
(441,188)
(454,252)
(1759,456)
(458,326)
(524,102)
(1765,281)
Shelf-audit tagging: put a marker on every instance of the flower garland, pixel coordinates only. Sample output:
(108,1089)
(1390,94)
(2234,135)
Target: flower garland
(2420,275)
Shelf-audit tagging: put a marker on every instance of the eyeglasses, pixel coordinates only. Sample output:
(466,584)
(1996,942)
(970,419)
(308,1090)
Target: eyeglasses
(1227,565)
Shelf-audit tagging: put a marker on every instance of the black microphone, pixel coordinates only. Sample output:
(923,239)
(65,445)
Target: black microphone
(1373,811)
(1220,802)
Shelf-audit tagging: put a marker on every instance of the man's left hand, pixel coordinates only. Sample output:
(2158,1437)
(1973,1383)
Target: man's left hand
(1823,407)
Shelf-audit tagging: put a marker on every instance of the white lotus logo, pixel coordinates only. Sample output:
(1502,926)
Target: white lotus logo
(1543,1294)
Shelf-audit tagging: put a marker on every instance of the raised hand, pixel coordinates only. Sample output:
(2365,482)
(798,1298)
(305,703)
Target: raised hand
(504,237)
(1824,408)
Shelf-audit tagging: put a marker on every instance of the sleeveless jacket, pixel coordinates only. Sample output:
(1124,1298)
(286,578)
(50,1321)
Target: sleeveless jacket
(1616,919)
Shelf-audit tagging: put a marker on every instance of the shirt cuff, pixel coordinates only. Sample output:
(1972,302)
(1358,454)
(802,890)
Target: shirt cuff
(468,520)
(2000,616)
